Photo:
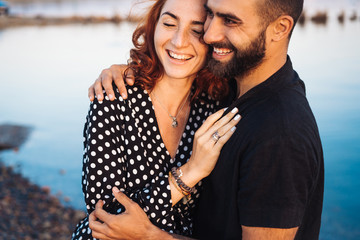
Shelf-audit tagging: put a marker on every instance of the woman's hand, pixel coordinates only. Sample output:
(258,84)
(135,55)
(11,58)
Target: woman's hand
(104,81)
(208,142)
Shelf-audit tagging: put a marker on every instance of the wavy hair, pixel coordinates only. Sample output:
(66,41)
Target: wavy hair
(147,67)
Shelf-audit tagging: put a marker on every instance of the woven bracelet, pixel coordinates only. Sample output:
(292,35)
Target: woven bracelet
(180,183)
(186,194)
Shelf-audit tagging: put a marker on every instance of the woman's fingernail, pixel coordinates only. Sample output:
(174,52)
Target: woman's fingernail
(234,110)
(225,109)
(98,96)
(233,129)
(237,117)
(115,189)
(123,96)
(111,96)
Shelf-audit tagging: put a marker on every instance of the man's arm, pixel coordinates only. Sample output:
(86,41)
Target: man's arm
(104,81)
(132,224)
(259,233)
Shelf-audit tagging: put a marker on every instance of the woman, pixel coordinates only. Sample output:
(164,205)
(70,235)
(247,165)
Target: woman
(143,145)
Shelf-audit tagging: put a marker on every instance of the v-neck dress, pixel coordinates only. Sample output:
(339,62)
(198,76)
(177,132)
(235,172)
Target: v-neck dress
(123,148)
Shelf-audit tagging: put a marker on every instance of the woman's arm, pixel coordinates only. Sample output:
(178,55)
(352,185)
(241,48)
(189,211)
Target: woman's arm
(206,149)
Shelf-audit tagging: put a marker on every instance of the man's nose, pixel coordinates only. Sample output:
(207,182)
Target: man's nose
(214,31)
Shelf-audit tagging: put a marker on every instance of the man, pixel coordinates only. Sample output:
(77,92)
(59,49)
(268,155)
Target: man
(268,182)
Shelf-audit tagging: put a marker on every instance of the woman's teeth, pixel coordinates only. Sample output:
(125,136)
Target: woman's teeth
(178,56)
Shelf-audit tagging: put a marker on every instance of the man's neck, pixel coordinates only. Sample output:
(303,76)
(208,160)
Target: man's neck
(260,74)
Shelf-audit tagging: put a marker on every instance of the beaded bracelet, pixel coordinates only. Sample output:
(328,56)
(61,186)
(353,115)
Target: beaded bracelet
(180,183)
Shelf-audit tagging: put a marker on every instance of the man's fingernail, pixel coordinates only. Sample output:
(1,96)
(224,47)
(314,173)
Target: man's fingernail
(115,189)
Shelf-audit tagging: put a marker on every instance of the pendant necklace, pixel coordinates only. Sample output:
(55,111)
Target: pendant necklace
(174,123)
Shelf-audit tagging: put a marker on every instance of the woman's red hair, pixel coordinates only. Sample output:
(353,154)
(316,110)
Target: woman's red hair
(148,68)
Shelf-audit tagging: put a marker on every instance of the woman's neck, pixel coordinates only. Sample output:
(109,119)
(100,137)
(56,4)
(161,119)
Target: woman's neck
(172,93)
(170,98)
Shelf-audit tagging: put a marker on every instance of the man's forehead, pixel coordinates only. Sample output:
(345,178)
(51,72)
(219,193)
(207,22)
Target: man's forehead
(242,9)
(234,6)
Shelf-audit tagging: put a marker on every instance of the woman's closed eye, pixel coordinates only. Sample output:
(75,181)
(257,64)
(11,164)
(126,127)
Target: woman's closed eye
(169,24)
(198,31)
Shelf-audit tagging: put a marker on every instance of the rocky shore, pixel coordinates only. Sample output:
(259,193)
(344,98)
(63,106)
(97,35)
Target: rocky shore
(30,212)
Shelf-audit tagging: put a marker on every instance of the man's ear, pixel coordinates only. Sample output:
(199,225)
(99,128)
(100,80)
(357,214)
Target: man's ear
(280,29)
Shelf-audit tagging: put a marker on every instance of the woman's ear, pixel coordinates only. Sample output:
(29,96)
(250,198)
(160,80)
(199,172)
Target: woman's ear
(281,28)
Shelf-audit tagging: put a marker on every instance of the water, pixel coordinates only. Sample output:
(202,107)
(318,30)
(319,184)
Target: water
(327,58)
(45,73)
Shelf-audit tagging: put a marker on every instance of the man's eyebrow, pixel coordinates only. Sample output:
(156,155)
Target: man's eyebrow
(229,15)
(223,15)
(176,18)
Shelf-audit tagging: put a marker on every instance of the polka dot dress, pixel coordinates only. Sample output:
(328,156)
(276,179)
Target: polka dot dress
(123,147)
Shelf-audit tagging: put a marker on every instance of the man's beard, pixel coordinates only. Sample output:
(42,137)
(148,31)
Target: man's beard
(242,62)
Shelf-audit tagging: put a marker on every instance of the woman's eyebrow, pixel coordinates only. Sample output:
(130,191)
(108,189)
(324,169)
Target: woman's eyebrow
(198,23)
(195,22)
(170,14)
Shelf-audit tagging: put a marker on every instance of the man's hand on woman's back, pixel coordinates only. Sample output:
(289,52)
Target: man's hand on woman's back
(104,82)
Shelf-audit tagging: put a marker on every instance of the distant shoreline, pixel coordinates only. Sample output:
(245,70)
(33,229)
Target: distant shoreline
(18,21)
(320,17)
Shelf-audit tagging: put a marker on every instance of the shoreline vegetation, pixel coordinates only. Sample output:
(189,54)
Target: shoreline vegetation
(7,21)
(30,212)
(19,21)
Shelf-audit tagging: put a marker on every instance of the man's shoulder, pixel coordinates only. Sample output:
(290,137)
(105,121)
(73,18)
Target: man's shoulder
(284,112)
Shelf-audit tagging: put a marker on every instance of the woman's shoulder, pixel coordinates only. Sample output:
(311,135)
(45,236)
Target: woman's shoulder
(205,100)
(133,91)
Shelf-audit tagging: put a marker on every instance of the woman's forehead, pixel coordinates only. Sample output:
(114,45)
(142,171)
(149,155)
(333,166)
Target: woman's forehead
(185,8)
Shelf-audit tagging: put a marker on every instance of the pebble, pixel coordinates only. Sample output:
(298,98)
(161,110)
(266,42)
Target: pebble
(28,211)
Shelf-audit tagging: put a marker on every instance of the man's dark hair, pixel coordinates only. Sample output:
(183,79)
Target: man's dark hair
(270,10)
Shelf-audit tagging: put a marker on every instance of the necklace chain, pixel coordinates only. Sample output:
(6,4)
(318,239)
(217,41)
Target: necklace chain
(174,123)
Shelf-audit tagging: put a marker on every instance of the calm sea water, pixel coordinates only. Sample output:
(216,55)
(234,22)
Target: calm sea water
(45,73)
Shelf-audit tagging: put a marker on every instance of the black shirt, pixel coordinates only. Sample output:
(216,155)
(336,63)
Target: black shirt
(271,172)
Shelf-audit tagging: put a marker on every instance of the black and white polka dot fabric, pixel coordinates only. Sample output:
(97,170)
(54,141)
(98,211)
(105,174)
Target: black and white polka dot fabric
(123,147)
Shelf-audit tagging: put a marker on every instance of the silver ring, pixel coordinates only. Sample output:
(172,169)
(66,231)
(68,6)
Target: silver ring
(216,136)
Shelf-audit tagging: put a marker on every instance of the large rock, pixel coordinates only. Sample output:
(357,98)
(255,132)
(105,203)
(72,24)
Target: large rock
(13,136)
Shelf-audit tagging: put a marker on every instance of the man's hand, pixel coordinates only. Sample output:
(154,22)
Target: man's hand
(132,224)
(104,81)
(260,233)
